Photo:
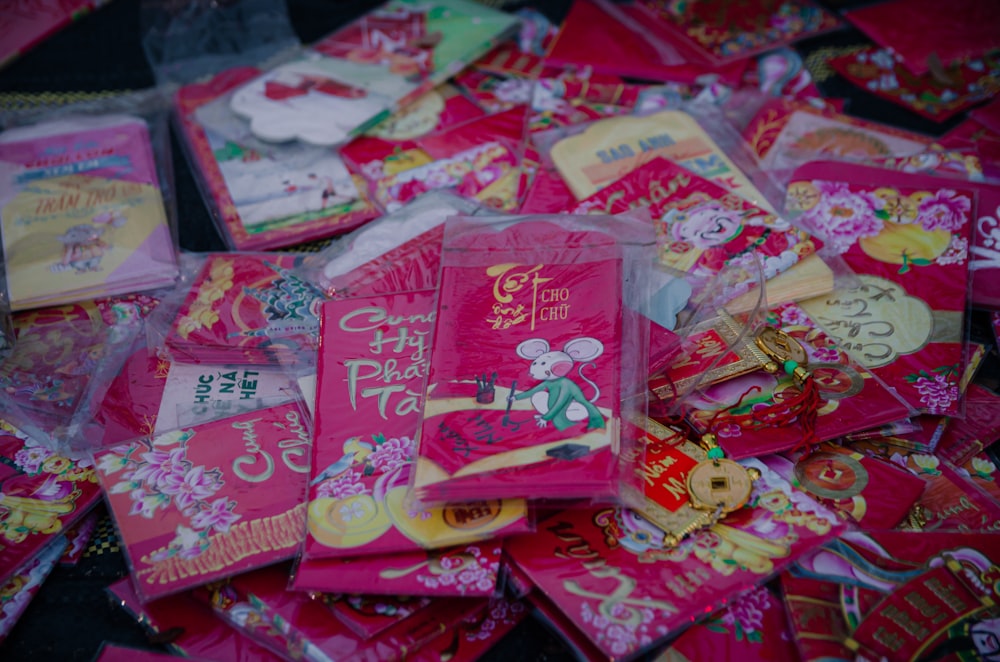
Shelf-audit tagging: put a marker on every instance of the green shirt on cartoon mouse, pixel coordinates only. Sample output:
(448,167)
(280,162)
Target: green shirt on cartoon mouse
(556,397)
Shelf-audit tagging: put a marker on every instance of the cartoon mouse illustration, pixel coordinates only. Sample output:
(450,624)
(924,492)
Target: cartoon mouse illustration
(557,398)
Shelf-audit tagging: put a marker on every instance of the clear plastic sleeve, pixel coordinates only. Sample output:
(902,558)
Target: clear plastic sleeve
(88,200)
(397,252)
(556,297)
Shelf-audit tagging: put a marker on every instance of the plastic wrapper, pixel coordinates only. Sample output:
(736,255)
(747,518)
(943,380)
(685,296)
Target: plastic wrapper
(614,39)
(479,159)
(608,572)
(240,308)
(962,30)
(949,500)
(786,134)
(296,627)
(189,512)
(722,33)
(190,625)
(356,77)
(754,412)
(45,493)
(372,364)
(937,584)
(868,491)
(878,70)
(907,239)
(368,615)
(463,571)
(752,628)
(398,252)
(475,634)
(87,201)
(558,298)
(21,585)
(55,382)
(186,42)
(263,196)
(78,538)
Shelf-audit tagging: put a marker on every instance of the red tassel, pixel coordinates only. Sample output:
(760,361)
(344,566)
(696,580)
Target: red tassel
(790,405)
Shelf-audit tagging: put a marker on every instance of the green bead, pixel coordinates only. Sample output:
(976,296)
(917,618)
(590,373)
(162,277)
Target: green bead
(716,453)
(790,366)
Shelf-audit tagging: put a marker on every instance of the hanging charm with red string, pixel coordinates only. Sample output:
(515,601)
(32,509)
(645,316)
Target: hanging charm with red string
(788,354)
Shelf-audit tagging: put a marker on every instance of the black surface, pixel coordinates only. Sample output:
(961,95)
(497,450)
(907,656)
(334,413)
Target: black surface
(72,615)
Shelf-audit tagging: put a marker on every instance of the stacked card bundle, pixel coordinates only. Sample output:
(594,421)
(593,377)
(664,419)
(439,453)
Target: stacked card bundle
(82,212)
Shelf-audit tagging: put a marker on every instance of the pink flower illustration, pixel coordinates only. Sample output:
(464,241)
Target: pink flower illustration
(945,210)
(825,354)
(749,610)
(219,516)
(794,316)
(159,465)
(844,216)
(391,454)
(936,393)
(191,487)
(30,458)
(345,485)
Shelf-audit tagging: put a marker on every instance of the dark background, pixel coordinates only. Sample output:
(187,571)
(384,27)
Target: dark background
(72,615)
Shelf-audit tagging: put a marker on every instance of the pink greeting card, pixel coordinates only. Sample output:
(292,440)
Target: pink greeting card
(209,501)
(294,625)
(196,393)
(608,571)
(193,629)
(476,634)
(42,494)
(700,225)
(246,308)
(907,238)
(754,627)
(264,197)
(368,615)
(786,134)
(81,211)
(463,571)
(746,412)
(21,585)
(977,431)
(981,471)
(949,501)
(866,490)
(371,368)
(724,31)
(936,97)
(524,385)
(929,35)
(478,159)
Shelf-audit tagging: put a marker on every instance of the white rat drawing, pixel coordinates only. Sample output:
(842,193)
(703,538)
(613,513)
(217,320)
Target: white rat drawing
(556,397)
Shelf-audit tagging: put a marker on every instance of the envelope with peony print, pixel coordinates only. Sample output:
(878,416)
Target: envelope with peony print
(246,308)
(462,571)
(370,376)
(746,412)
(907,238)
(189,506)
(43,494)
(608,571)
(700,225)
(476,634)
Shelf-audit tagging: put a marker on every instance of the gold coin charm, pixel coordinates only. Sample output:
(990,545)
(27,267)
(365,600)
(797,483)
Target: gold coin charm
(719,483)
